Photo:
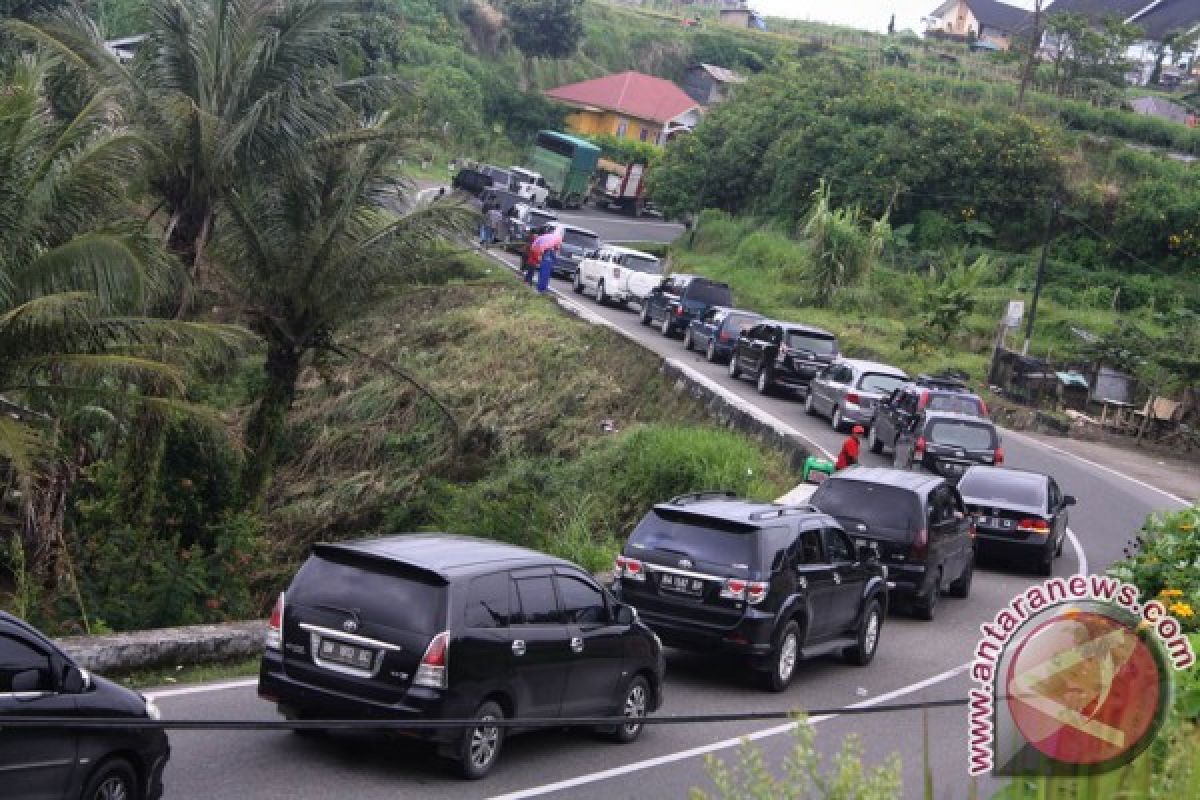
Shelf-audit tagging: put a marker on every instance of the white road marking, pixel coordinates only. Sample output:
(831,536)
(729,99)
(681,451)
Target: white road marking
(201,689)
(1079,554)
(567,216)
(1091,463)
(724,744)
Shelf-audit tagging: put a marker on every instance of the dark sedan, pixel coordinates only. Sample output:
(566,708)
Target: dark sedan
(1017,513)
(717,332)
(39,680)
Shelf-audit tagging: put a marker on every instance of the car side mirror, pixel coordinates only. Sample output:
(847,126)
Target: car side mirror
(75,680)
(625,615)
(867,553)
(29,680)
(1069,500)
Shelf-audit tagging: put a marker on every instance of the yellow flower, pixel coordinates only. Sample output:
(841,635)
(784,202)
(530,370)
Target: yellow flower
(1187,527)
(1170,593)
(1182,610)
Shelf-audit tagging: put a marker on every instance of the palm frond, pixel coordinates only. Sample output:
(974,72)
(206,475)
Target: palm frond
(20,445)
(95,367)
(101,263)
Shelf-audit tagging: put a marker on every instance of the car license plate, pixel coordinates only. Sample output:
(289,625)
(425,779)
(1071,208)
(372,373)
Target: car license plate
(681,584)
(346,654)
(999,523)
(952,468)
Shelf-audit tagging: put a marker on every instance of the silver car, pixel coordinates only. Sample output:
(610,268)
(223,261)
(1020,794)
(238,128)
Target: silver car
(848,390)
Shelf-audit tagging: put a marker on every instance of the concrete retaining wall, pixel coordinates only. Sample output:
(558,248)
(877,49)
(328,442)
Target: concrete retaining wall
(195,644)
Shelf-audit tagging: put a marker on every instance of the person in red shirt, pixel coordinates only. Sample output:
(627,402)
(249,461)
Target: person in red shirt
(849,455)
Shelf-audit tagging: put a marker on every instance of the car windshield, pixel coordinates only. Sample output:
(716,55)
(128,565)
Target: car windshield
(701,539)
(881,508)
(1003,487)
(813,343)
(879,383)
(651,266)
(400,599)
(955,404)
(967,435)
(586,241)
(713,294)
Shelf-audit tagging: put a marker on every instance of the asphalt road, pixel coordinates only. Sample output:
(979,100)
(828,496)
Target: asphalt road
(916,660)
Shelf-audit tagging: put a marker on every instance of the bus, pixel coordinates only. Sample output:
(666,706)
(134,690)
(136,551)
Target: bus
(566,163)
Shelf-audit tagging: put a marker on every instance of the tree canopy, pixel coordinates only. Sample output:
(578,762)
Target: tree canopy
(545,28)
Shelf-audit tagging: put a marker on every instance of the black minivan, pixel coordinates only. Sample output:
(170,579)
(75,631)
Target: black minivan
(917,522)
(679,299)
(38,680)
(434,626)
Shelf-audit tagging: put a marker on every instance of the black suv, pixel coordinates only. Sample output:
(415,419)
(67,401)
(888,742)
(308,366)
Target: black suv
(933,393)
(947,444)
(918,523)
(782,354)
(679,299)
(712,572)
(39,680)
(429,626)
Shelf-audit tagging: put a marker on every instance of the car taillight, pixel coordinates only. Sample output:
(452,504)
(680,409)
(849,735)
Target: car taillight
(275,626)
(852,397)
(753,592)
(679,311)
(432,672)
(983,407)
(919,447)
(724,337)
(630,568)
(924,401)
(920,545)
(784,352)
(1034,526)
(999,455)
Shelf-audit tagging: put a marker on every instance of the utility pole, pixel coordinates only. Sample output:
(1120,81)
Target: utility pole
(1041,274)
(1035,44)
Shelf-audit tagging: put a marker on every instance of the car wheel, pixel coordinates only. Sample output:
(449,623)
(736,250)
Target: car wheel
(687,340)
(783,658)
(869,629)
(480,746)
(665,326)
(926,607)
(836,420)
(763,384)
(1058,550)
(645,314)
(962,586)
(578,284)
(710,352)
(112,780)
(734,372)
(810,407)
(1046,567)
(873,441)
(308,733)
(633,708)
(601,297)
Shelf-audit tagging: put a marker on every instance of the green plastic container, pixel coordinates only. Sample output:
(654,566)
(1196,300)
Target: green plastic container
(815,464)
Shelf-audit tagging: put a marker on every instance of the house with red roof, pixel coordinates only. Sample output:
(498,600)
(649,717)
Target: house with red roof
(629,105)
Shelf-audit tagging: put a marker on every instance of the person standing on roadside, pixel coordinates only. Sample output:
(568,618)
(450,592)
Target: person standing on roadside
(485,230)
(533,257)
(850,448)
(495,221)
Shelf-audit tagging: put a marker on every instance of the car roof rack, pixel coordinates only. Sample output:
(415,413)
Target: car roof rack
(941,382)
(696,497)
(784,511)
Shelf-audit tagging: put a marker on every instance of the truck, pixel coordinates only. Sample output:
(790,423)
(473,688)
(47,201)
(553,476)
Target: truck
(530,185)
(566,164)
(620,185)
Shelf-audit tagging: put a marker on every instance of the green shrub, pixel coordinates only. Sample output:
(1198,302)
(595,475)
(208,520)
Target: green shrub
(717,232)
(1164,563)
(769,250)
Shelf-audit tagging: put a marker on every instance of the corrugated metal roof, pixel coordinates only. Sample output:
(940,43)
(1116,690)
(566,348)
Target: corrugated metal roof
(631,93)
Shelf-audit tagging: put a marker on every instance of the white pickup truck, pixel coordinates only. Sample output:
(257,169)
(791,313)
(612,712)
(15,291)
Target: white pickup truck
(530,185)
(618,274)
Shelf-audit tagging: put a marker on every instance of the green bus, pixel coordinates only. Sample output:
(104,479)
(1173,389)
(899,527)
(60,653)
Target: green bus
(566,163)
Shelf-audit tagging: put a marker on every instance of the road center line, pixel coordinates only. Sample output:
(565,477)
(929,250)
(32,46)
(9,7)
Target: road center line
(724,744)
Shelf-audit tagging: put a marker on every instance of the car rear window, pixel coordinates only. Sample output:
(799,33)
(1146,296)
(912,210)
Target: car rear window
(713,294)
(537,218)
(1006,489)
(716,541)
(880,383)
(880,507)
(955,404)
(584,240)
(740,322)
(967,435)
(397,597)
(814,343)
(650,266)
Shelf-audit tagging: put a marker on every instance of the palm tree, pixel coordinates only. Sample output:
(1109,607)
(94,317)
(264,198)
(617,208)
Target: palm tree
(302,253)
(225,89)
(74,278)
